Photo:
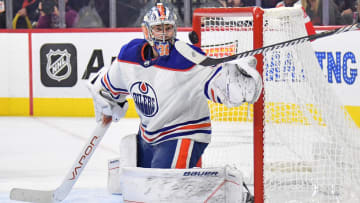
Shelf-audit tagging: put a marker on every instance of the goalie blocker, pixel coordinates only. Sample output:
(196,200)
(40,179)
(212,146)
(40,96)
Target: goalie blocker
(172,185)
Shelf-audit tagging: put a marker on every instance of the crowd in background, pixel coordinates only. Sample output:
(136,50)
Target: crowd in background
(95,13)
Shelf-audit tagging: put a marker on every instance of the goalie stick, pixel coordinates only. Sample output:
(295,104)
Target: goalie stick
(200,59)
(60,193)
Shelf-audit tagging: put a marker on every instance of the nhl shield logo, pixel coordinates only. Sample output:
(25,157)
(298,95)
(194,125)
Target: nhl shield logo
(58,65)
(145,98)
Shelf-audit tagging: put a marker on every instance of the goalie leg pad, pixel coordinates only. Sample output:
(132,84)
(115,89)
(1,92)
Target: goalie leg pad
(113,176)
(182,185)
(128,158)
(128,151)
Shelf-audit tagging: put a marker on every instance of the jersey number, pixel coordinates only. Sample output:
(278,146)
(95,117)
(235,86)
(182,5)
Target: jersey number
(163,49)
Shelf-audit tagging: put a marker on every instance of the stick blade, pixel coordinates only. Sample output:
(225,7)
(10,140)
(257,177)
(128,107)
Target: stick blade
(28,195)
(189,53)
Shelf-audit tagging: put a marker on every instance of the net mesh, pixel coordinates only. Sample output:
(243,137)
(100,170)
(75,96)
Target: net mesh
(311,144)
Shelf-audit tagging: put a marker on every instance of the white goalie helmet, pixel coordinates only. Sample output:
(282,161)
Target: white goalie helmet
(163,36)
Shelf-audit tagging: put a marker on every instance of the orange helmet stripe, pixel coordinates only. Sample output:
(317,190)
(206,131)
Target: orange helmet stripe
(161,11)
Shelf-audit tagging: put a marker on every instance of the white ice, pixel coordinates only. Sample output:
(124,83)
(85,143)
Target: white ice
(38,152)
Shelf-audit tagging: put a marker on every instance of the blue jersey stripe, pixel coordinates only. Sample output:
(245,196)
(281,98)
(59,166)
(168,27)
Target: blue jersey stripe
(208,82)
(113,87)
(180,134)
(175,126)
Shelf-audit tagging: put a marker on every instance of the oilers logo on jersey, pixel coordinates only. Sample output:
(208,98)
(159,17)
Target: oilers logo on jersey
(145,98)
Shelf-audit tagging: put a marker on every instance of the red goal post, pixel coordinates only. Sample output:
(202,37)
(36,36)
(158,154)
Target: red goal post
(299,125)
(257,15)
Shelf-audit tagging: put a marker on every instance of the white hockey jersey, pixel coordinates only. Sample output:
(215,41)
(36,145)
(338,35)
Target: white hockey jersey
(170,93)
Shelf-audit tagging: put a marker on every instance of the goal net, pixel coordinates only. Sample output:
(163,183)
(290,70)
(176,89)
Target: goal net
(297,143)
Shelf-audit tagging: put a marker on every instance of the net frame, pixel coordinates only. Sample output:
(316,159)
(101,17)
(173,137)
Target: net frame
(258,112)
(259,109)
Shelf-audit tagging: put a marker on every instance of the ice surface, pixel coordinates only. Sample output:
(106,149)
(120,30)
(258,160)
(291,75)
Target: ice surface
(37,153)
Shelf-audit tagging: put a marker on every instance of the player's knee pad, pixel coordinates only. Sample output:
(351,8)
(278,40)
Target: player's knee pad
(127,158)
(128,151)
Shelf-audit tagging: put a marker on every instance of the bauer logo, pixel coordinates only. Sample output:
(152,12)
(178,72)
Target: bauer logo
(145,98)
(58,65)
(201,173)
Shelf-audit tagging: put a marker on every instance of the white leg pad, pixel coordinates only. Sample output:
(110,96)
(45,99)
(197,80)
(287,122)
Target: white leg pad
(128,158)
(113,176)
(182,185)
(128,153)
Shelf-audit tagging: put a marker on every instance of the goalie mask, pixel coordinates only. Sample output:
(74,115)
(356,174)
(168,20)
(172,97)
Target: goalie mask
(159,28)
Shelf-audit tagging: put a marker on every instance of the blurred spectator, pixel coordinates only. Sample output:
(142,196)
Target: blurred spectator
(2,20)
(235,3)
(229,3)
(269,3)
(25,13)
(314,9)
(250,2)
(49,15)
(351,15)
(128,12)
(288,3)
(2,15)
(88,17)
(101,6)
(297,3)
(224,3)
(211,4)
(345,5)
